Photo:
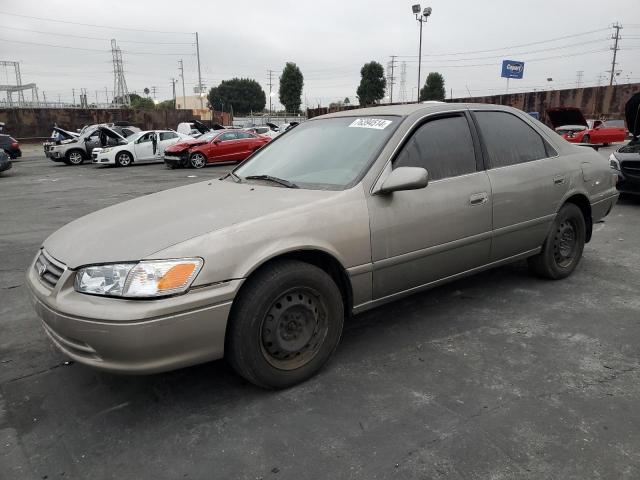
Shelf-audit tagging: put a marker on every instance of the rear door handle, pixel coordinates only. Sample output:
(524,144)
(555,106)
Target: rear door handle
(478,198)
(559,179)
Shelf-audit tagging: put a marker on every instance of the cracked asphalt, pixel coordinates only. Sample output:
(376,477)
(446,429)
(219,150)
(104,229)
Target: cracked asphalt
(500,375)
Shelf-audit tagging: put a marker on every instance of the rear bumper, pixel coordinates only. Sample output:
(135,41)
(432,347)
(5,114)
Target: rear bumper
(14,152)
(134,336)
(602,208)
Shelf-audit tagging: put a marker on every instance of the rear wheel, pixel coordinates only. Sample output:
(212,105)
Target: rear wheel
(197,160)
(123,159)
(286,323)
(74,157)
(563,247)
(586,139)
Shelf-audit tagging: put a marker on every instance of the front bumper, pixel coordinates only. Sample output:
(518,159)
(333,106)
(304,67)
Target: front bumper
(102,159)
(5,165)
(180,161)
(134,336)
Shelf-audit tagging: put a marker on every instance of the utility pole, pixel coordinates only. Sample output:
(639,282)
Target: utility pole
(199,75)
(181,67)
(73,92)
(391,78)
(153,92)
(403,82)
(421,17)
(579,75)
(106,95)
(96,98)
(44,95)
(173,87)
(615,49)
(270,87)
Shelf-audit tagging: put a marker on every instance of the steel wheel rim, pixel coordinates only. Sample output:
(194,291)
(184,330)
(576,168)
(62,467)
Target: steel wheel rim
(124,159)
(565,244)
(197,160)
(294,328)
(75,158)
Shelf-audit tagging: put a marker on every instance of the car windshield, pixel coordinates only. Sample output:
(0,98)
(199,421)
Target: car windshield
(329,153)
(209,136)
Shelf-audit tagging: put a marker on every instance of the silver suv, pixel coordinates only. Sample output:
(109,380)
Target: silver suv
(344,213)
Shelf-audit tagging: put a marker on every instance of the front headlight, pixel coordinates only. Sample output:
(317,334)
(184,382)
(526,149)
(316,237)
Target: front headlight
(146,279)
(614,163)
(105,150)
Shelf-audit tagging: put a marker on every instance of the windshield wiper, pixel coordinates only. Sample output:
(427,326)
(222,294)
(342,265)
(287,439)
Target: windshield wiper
(270,178)
(235,177)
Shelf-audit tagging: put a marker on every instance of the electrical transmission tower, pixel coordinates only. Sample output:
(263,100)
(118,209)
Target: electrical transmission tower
(403,82)
(18,87)
(391,79)
(615,48)
(120,91)
(579,75)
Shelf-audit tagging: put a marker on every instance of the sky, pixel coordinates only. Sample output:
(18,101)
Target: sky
(330,40)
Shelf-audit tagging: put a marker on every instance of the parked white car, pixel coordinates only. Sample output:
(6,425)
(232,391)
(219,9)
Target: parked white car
(147,146)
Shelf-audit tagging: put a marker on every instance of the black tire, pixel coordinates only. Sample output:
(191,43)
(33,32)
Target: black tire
(74,157)
(197,160)
(124,159)
(562,249)
(586,139)
(285,324)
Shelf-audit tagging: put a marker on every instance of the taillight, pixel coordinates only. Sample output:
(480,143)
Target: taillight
(14,145)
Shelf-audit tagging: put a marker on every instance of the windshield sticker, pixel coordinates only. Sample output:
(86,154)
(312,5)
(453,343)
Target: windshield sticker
(375,123)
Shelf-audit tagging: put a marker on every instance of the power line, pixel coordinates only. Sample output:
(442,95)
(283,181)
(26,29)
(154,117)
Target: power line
(512,46)
(91,25)
(6,27)
(88,49)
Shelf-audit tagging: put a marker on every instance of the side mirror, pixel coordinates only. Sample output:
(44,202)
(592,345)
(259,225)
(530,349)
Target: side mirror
(216,141)
(405,178)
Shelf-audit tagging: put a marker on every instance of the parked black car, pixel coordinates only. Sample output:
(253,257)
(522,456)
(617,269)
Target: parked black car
(10,145)
(626,160)
(5,163)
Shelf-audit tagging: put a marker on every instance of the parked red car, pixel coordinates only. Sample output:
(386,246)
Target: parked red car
(214,147)
(571,124)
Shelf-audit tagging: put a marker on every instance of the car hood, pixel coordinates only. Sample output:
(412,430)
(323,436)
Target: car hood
(566,116)
(631,111)
(138,228)
(184,144)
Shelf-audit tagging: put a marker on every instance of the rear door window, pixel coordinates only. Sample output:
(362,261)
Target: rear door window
(508,140)
(443,146)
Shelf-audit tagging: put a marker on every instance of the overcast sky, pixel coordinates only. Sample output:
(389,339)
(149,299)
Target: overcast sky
(330,40)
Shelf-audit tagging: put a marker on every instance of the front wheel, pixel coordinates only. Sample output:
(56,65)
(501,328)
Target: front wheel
(123,159)
(197,160)
(285,324)
(563,247)
(74,157)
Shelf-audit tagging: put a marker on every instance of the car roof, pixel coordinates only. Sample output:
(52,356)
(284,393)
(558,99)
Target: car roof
(411,108)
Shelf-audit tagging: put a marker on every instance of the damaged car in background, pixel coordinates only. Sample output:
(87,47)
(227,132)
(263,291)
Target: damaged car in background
(75,151)
(58,136)
(626,160)
(569,122)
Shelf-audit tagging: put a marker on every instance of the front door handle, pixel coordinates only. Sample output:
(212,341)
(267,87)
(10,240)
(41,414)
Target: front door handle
(478,198)
(559,180)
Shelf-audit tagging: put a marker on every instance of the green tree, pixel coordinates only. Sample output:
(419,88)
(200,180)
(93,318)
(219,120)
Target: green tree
(166,105)
(245,95)
(291,82)
(372,84)
(433,88)
(142,103)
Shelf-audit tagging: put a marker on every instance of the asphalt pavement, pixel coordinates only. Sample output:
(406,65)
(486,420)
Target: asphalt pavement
(500,375)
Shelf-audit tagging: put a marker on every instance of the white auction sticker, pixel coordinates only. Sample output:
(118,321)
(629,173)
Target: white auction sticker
(375,123)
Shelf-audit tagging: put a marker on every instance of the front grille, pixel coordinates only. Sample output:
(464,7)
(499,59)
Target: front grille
(631,167)
(48,269)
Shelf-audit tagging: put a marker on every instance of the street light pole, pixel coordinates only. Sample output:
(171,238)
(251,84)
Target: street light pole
(421,17)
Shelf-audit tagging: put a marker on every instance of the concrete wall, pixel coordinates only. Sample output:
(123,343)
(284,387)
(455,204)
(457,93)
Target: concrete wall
(25,123)
(595,102)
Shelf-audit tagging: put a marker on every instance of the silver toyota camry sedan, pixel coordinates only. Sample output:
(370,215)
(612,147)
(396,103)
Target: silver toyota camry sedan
(341,214)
